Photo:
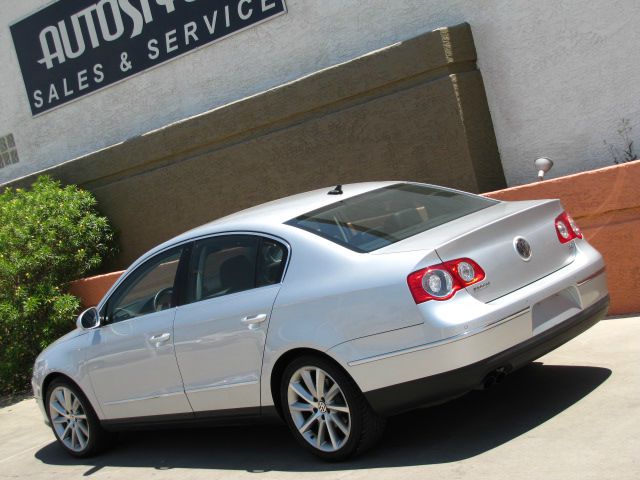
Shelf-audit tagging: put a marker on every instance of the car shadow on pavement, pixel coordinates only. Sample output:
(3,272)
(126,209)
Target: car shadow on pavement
(459,429)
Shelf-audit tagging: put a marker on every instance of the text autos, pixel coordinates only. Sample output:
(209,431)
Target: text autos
(74,47)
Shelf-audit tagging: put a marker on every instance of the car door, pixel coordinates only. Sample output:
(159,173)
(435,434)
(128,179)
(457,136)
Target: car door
(132,362)
(220,331)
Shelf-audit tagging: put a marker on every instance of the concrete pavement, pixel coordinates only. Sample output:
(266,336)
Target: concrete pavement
(573,415)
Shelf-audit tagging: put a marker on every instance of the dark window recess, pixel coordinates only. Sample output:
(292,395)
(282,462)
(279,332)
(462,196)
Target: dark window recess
(272,258)
(8,151)
(378,218)
(221,266)
(149,289)
(229,264)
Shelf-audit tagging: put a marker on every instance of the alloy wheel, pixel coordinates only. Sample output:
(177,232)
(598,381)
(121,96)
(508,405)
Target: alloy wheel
(319,409)
(69,419)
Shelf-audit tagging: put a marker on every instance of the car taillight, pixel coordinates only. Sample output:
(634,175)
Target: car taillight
(442,281)
(566,228)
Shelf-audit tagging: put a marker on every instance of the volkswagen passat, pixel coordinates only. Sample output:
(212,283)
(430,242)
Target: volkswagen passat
(331,309)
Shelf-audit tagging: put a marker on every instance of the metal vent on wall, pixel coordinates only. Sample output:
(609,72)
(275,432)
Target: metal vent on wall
(8,151)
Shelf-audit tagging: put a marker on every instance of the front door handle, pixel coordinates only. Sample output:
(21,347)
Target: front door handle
(160,339)
(252,320)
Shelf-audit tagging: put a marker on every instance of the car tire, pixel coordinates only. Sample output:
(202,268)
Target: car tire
(73,420)
(326,411)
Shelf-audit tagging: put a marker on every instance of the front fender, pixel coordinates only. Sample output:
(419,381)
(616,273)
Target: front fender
(66,357)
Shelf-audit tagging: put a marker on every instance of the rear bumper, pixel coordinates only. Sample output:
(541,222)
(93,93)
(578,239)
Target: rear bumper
(436,388)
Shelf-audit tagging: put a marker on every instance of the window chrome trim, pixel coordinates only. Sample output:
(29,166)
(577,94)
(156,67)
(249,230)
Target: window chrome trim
(143,259)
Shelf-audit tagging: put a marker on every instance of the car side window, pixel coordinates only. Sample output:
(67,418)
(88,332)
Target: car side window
(229,264)
(272,258)
(150,288)
(221,266)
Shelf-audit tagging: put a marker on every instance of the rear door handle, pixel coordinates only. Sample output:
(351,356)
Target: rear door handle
(160,339)
(252,320)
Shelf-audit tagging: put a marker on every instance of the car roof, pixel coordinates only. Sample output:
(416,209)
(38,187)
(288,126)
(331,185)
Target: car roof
(274,213)
(284,209)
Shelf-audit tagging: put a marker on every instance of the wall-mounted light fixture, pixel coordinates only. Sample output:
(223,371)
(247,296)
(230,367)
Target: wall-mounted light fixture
(543,165)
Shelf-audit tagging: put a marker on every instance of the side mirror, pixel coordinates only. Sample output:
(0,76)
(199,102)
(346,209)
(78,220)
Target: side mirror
(88,319)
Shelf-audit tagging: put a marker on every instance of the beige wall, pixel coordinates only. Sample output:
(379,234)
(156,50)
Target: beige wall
(559,76)
(413,111)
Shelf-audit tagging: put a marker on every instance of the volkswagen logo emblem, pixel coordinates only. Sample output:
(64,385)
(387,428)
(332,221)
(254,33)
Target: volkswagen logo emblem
(322,407)
(522,248)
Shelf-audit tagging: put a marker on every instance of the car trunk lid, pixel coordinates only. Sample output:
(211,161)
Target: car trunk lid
(489,238)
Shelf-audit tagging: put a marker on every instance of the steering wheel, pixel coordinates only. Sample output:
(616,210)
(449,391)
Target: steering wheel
(162,299)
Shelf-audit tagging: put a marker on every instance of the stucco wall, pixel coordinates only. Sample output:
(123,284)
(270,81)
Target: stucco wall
(380,116)
(558,75)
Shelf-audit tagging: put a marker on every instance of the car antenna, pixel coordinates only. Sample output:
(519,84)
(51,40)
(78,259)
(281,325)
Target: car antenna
(336,191)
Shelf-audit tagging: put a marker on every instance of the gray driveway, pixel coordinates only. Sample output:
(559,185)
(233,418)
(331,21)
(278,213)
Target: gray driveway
(573,414)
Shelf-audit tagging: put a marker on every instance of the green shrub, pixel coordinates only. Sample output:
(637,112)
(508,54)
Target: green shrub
(49,236)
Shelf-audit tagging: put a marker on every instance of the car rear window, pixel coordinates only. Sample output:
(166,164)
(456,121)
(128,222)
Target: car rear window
(378,218)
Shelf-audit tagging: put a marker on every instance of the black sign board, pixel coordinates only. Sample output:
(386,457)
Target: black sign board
(74,47)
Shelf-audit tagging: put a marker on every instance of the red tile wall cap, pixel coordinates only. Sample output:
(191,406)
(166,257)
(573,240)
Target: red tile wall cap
(585,194)
(91,290)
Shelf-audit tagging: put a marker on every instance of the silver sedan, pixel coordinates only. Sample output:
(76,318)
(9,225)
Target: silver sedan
(331,310)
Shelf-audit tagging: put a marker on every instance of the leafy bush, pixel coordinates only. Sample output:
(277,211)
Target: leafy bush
(49,236)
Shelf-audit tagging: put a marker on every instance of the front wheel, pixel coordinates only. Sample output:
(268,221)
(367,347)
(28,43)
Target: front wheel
(326,411)
(73,421)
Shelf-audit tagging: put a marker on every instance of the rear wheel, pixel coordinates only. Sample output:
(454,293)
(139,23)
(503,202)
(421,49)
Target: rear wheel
(73,421)
(326,411)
